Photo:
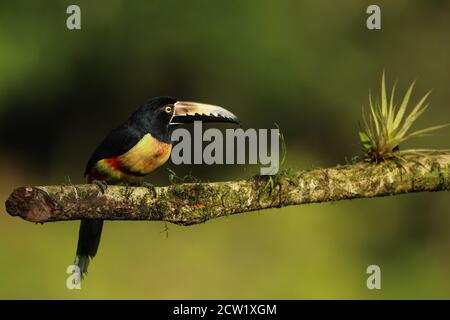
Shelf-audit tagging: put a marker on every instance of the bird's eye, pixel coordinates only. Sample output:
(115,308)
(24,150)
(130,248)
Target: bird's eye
(168,109)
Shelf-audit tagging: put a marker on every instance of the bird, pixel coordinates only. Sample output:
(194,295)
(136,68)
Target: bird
(134,149)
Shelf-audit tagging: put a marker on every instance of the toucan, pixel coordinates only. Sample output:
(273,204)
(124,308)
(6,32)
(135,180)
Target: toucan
(133,150)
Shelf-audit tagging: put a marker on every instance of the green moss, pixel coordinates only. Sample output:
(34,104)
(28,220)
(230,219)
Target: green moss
(192,193)
(162,207)
(126,193)
(88,193)
(189,178)
(142,205)
(282,178)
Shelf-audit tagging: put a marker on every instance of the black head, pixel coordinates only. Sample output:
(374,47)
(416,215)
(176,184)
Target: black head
(158,114)
(154,117)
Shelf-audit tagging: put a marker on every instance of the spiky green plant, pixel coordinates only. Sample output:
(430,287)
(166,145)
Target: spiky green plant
(388,126)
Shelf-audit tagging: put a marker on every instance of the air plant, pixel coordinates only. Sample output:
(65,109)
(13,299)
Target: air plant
(388,125)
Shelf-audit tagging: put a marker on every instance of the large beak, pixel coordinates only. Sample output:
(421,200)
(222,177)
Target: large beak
(187,112)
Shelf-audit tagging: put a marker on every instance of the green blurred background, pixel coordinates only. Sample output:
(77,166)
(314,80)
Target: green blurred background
(306,65)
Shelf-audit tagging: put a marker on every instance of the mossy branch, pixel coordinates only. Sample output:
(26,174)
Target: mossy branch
(191,203)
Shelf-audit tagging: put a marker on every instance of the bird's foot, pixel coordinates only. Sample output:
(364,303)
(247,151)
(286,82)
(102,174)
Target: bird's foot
(101,184)
(150,187)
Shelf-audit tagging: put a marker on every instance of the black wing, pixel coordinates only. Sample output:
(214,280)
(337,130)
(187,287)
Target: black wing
(118,141)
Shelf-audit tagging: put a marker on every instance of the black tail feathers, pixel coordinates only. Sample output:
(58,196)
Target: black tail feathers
(88,242)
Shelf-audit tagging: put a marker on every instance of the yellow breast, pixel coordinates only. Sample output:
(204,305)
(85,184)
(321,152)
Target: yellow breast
(147,155)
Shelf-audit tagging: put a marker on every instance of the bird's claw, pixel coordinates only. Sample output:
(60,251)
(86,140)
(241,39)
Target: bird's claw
(150,187)
(101,184)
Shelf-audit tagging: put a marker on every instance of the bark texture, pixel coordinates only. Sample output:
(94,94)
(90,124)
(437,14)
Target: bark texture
(191,203)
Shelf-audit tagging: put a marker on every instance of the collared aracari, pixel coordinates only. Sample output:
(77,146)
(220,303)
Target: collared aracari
(136,148)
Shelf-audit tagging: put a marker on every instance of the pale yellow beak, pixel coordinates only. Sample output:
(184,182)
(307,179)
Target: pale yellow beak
(187,112)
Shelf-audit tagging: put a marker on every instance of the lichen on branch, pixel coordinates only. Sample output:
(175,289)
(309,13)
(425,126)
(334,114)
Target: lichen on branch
(192,203)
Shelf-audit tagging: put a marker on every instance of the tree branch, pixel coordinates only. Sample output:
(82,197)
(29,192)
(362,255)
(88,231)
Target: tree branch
(191,203)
